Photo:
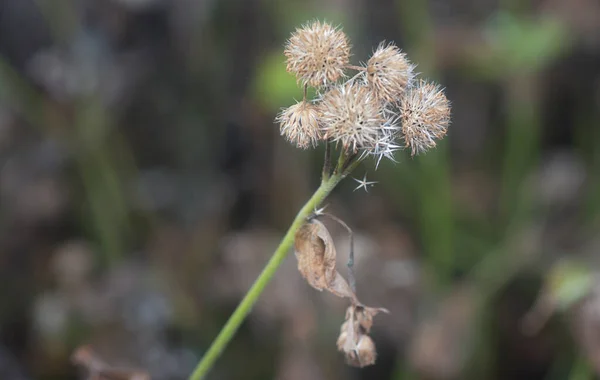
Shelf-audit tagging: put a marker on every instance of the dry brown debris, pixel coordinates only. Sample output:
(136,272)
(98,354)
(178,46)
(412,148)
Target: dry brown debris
(316,256)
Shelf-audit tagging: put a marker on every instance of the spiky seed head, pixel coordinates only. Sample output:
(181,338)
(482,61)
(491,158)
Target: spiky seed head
(317,54)
(299,124)
(351,115)
(425,113)
(389,73)
(385,145)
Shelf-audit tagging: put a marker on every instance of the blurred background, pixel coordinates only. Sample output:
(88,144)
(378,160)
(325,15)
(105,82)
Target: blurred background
(143,186)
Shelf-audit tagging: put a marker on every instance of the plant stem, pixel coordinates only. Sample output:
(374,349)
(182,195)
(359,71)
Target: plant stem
(240,313)
(326,162)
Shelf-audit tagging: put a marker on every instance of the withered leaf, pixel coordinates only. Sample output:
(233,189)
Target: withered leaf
(316,257)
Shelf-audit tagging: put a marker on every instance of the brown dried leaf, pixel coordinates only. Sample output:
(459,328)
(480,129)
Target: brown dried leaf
(315,252)
(340,288)
(316,255)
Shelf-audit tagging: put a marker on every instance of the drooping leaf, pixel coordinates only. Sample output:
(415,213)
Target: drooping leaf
(316,256)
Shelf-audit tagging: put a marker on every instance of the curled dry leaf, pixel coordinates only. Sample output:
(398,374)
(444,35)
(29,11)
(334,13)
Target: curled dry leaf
(316,256)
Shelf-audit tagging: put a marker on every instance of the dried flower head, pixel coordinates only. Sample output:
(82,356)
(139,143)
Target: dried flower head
(299,124)
(350,114)
(354,340)
(369,113)
(365,351)
(389,73)
(425,113)
(317,54)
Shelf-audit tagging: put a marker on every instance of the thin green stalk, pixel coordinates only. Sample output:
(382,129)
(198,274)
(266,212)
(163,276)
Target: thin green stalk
(327,162)
(240,313)
(522,147)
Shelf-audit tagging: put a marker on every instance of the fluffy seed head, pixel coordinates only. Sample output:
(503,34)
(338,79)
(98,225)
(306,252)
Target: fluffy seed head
(350,114)
(425,113)
(299,124)
(389,73)
(365,351)
(344,334)
(317,54)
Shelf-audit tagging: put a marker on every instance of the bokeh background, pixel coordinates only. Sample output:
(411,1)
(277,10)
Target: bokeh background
(143,185)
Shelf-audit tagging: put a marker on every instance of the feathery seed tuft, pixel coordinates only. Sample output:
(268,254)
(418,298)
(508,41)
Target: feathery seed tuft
(317,54)
(299,124)
(351,115)
(425,113)
(389,73)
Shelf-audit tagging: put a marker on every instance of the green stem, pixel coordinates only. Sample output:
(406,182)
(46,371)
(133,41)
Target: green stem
(240,313)
(327,162)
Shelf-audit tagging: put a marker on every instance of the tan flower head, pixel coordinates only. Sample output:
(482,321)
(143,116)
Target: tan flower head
(317,54)
(425,113)
(299,124)
(389,73)
(354,340)
(351,115)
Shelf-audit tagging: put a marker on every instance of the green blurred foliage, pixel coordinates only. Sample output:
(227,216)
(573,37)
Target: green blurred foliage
(520,45)
(568,282)
(273,87)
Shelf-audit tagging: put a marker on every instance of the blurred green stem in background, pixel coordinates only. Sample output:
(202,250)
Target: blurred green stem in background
(522,144)
(101,178)
(345,165)
(433,187)
(96,157)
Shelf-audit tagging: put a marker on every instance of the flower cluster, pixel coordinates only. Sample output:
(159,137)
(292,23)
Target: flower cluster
(375,112)
(379,110)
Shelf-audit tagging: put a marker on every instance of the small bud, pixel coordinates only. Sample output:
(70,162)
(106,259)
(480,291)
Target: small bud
(389,73)
(299,124)
(425,113)
(350,114)
(317,54)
